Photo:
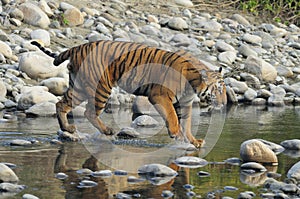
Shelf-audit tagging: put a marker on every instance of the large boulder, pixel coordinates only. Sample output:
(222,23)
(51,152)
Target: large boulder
(73,17)
(261,68)
(56,85)
(294,171)
(33,15)
(256,151)
(37,65)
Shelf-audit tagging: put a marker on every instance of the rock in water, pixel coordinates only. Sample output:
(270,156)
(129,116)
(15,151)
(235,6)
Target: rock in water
(294,171)
(156,170)
(256,151)
(7,174)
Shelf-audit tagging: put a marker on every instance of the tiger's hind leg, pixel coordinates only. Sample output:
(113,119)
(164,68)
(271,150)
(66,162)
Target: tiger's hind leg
(64,106)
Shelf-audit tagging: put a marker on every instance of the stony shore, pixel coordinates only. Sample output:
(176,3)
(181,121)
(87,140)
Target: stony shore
(261,61)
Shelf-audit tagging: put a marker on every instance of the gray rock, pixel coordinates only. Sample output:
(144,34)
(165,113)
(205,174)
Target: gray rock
(5,50)
(291,144)
(158,170)
(181,39)
(16,13)
(61,176)
(276,148)
(65,6)
(167,194)
(41,35)
(277,97)
(44,109)
(7,174)
(245,195)
(294,171)
(256,151)
(102,28)
(73,17)
(190,162)
(37,65)
(33,97)
(246,50)
(223,46)
(254,166)
(128,133)
(11,188)
(267,40)
(263,93)
(252,39)
(231,96)
(44,7)
(237,86)
(84,171)
(102,173)
(133,180)
(250,94)
(29,196)
(185,3)
(284,71)
(87,184)
(33,15)
(261,68)
(203,174)
(150,30)
(250,80)
(239,18)
(3,90)
(20,142)
(56,85)
(144,121)
(177,23)
(227,57)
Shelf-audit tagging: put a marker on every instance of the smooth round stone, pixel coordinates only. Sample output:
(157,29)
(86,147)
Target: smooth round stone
(128,133)
(230,188)
(191,194)
(144,121)
(233,161)
(253,166)
(291,144)
(102,173)
(87,184)
(203,174)
(167,194)
(190,161)
(133,179)
(19,142)
(84,171)
(61,176)
(120,173)
(29,196)
(188,186)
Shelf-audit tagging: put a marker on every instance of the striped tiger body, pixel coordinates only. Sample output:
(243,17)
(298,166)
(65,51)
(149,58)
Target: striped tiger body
(168,79)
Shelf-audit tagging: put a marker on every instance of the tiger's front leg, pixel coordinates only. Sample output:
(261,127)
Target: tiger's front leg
(62,109)
(184,114)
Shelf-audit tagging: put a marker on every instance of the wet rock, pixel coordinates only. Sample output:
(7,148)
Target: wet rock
(73,137)
(256,151)
(56,85)
(61,176)
(11,188)
(128,133)
(7,174)
(144,121)
(133,179)
(177,23)
(252,167)
(19,142)
(167,194)
(231,96)
(158,170)
(291,144)
(246,195)
(123,196)
(44,109)
(230,188)
(188,186)
(203,174)
(233,161)
(190,162)
(84,171)
(261,68)
(250,94)
(294,171)
(33,15)
(102,173)
(73,17)
(87,184)
(29,196)
(276,148)
(277,97)
(120,173)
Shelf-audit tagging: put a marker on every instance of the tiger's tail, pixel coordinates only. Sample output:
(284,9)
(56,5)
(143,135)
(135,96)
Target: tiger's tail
(58,58)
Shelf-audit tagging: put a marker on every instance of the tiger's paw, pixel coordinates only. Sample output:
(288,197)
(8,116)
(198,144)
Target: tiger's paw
(109,131)
(71,128)
(198,143)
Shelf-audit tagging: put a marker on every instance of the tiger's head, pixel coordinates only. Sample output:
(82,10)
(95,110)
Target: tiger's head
(213,89)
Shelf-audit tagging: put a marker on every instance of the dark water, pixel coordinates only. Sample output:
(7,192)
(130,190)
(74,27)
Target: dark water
(38,164)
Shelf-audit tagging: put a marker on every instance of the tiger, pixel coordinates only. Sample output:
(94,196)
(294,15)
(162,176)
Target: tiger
(169,79)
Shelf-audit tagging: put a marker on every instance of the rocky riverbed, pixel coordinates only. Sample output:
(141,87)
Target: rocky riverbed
(261,60)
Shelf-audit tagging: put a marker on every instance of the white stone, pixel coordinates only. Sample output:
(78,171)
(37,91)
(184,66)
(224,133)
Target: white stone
(5,50)
(185,3)
(44,109)
(33,15)
(56,85)
(177,23)
(7,174)
(42,35)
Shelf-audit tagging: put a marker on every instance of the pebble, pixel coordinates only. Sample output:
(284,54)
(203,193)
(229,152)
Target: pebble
(250,167)
(134,180)
(87,184)
(19,142)
(144,121)
(293,144)
(11,188)
(128,133)
(120,173)
(156,170)
(61,176)
(102,173)
(190,162)
(203,174)
(167,194)
(84,171)
(7,174)
(29,196)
